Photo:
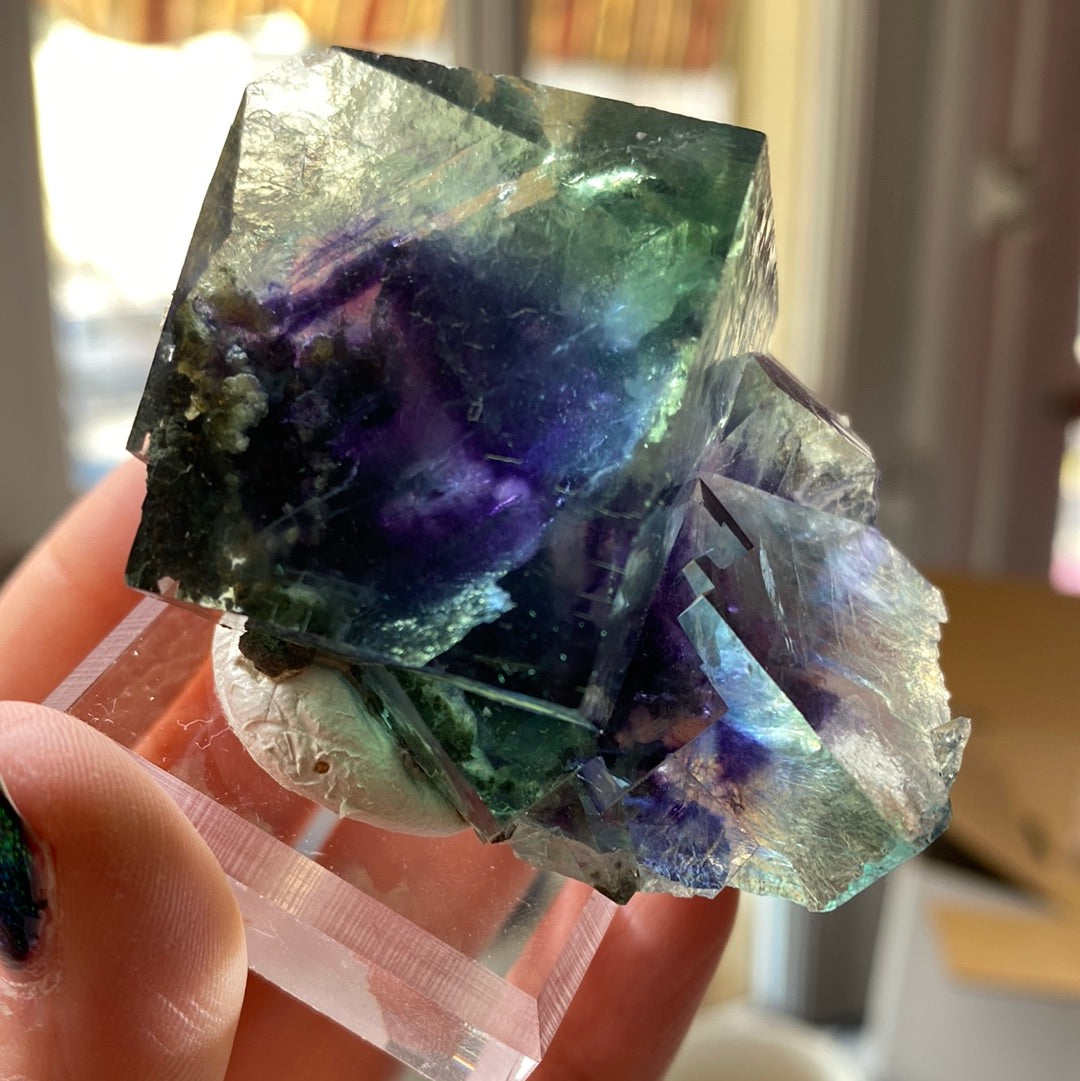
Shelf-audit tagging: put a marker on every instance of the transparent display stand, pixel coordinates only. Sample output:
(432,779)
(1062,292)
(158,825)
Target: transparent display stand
(452,955)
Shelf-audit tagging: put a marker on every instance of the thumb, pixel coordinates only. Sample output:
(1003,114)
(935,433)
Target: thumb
(136,966)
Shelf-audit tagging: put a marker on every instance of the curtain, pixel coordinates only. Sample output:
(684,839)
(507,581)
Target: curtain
(346,22)
(644,34)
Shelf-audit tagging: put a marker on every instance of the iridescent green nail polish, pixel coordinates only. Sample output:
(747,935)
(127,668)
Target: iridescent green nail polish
(20,907)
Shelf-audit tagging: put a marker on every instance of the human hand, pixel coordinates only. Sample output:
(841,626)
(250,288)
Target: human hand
(140,970)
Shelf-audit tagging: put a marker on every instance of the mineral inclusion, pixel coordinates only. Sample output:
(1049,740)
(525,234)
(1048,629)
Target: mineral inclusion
(462,387)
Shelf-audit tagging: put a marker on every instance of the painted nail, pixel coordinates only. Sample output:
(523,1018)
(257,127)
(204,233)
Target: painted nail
(20,905)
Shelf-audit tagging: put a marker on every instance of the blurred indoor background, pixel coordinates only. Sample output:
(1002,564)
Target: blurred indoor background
(925,158)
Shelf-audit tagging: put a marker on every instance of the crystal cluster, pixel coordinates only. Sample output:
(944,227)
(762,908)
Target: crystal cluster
(461,388)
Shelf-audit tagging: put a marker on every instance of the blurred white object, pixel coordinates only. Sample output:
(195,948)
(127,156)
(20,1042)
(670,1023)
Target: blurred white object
(744,1043)
(924,1024)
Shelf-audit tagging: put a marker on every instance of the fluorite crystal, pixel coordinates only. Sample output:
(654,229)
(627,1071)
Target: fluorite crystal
(458,390)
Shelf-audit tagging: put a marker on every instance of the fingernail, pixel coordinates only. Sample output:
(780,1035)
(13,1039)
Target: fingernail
(20,904)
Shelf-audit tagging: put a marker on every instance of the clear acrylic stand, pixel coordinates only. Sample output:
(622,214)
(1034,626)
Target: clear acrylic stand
(452,955)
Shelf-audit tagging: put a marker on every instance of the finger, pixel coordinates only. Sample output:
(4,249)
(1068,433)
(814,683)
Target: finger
(640,993)
(280,1039)
(70,590)
(139,968)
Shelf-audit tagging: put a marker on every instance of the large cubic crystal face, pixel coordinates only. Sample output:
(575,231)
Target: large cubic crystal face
(458,388)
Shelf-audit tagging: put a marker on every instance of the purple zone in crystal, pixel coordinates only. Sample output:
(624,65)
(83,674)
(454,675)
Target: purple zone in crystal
(676,831)
(434,470)
(678,839)
(665,699)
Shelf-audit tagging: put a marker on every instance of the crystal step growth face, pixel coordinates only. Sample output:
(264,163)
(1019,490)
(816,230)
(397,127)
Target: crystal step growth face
(445,382)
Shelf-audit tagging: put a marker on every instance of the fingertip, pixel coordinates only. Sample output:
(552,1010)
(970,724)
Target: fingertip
(642,989)
(70,590)
(140,966)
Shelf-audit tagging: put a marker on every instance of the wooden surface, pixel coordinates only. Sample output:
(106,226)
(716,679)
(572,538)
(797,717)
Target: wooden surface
(1011,656)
